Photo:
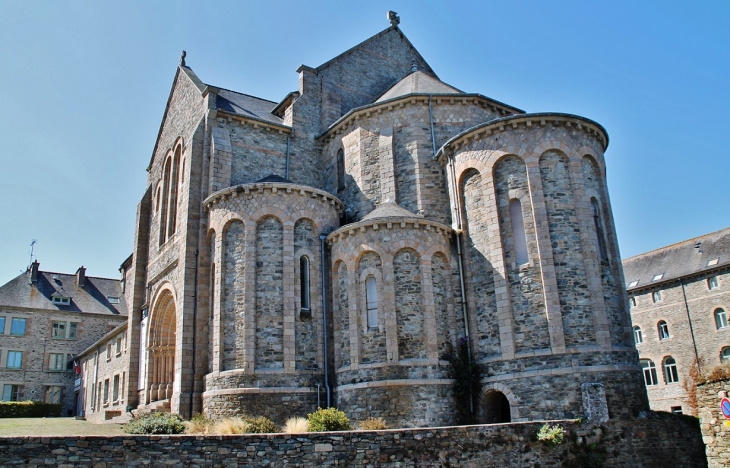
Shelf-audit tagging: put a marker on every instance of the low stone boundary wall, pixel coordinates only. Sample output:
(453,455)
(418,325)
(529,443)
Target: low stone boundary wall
(715,427)
(637,443)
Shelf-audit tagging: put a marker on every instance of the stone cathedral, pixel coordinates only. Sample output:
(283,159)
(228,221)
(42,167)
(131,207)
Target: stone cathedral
(329,248)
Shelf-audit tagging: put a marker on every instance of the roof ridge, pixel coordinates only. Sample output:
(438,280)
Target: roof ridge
(74,274)
(242,94)
(675,244)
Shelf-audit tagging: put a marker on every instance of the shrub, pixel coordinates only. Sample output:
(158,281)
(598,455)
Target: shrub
(199,424)
(155,423)
(260,425)
(373,424)
(231,426)
(29,409)
(296,425)
(467,375)
(551,435)
(330,419)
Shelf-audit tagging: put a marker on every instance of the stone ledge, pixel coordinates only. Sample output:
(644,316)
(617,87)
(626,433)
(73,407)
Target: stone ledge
(394,383)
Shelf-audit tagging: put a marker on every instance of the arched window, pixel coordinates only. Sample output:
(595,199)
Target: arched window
(638,335)
(165,191)
(725,355)
(304,285)
(518,231)
(671,375)
(598,225)
(174,182)
(663,329)
(158,199)
(720,318)
(649,372)
(371,299)
(340,170)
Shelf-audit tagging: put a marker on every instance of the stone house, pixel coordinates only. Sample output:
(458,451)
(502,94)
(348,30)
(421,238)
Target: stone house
(46,320)
(104,371)
(331,247)
(680,297)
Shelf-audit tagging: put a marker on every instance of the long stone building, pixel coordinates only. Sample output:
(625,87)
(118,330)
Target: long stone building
(680,300)
(331,247)
(46,320)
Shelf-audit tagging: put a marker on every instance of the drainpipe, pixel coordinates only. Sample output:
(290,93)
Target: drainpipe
(322,237)
(195,328)
(691,329)
(430,118)
(288,145)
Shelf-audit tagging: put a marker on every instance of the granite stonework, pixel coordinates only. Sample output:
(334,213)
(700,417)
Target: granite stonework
(616,444)
(333,247)
(714,425)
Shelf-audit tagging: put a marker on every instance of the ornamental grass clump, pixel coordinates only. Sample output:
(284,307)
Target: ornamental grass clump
(260,425)
(551,435)
(296,425)
(199,424)
(229,426)
(330,419)
(373,424)
(155,423)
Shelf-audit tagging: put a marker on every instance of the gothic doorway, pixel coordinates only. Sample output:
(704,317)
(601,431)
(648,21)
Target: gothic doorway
(495,408)
(161,348)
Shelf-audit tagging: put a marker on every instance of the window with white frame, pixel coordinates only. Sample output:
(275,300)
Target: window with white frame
(656,296)
(56,362)
(720,319)
(371,299)
(109,351)
(2,325)
(638,335)
(17,326)
(53,394)
(61,300)
(712,282)
(106,391)
(115,389)
(14,360)
(671,375)
(663,329)
(118,346)
(11,392)
(725,355)
(650,377)
(62,330)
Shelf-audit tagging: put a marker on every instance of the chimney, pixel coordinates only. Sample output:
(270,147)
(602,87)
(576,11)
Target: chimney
(81,277)
(34,272)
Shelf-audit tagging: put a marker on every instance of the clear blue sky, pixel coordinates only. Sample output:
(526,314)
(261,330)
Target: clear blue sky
(83,86)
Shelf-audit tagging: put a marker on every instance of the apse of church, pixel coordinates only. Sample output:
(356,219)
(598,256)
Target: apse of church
(328,249)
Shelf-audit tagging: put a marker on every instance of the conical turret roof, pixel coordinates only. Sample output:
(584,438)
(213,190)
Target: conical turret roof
(390,209)
(418,82)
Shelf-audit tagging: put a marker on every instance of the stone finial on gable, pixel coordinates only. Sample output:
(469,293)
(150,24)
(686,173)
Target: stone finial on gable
(393,18)
(182,59)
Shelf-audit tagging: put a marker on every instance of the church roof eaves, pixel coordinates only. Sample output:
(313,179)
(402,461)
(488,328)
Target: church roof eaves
(367,41)
(541,118)
(284,103)
(415,221)
(287,187)
(419,96)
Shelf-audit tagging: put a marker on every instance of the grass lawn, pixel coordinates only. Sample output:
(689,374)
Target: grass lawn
(55,426)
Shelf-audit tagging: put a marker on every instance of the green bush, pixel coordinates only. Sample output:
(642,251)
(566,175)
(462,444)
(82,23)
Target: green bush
(29,409)
(155,423)
(551,435)
(260,425)
(330,419)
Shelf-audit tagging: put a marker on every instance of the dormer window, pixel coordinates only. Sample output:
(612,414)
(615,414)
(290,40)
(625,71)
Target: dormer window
(61,300)
(112,300)
(658,277)
(633,283)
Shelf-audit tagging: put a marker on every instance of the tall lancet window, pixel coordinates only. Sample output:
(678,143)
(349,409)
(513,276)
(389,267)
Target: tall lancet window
(371,299)
(600,243)
(340,170)
(304,284)
(518,231)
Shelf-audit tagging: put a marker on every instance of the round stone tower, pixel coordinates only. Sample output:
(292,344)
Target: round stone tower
(266,353)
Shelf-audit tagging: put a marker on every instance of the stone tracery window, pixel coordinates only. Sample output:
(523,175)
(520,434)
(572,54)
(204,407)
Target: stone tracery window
(371,300)
(518,231)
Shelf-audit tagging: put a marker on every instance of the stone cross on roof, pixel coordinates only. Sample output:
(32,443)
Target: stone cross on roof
(393,18)
(182,58)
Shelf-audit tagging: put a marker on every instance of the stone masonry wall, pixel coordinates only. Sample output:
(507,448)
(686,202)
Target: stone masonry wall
(269,294)
(638,443)
(234,319)
(715,427)
(106,366)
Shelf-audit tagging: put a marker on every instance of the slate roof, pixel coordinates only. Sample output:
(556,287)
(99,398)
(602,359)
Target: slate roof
(678,260)
(274,178)
(390,209)
(246,106)
(418,83)
(92,298)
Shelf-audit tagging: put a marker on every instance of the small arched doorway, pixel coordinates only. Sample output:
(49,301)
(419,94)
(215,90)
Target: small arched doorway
(161,348)
(495,408)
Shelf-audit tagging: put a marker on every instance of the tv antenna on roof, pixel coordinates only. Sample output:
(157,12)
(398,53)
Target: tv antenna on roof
(32,244)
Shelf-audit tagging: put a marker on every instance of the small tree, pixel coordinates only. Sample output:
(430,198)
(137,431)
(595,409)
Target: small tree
(467,376)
